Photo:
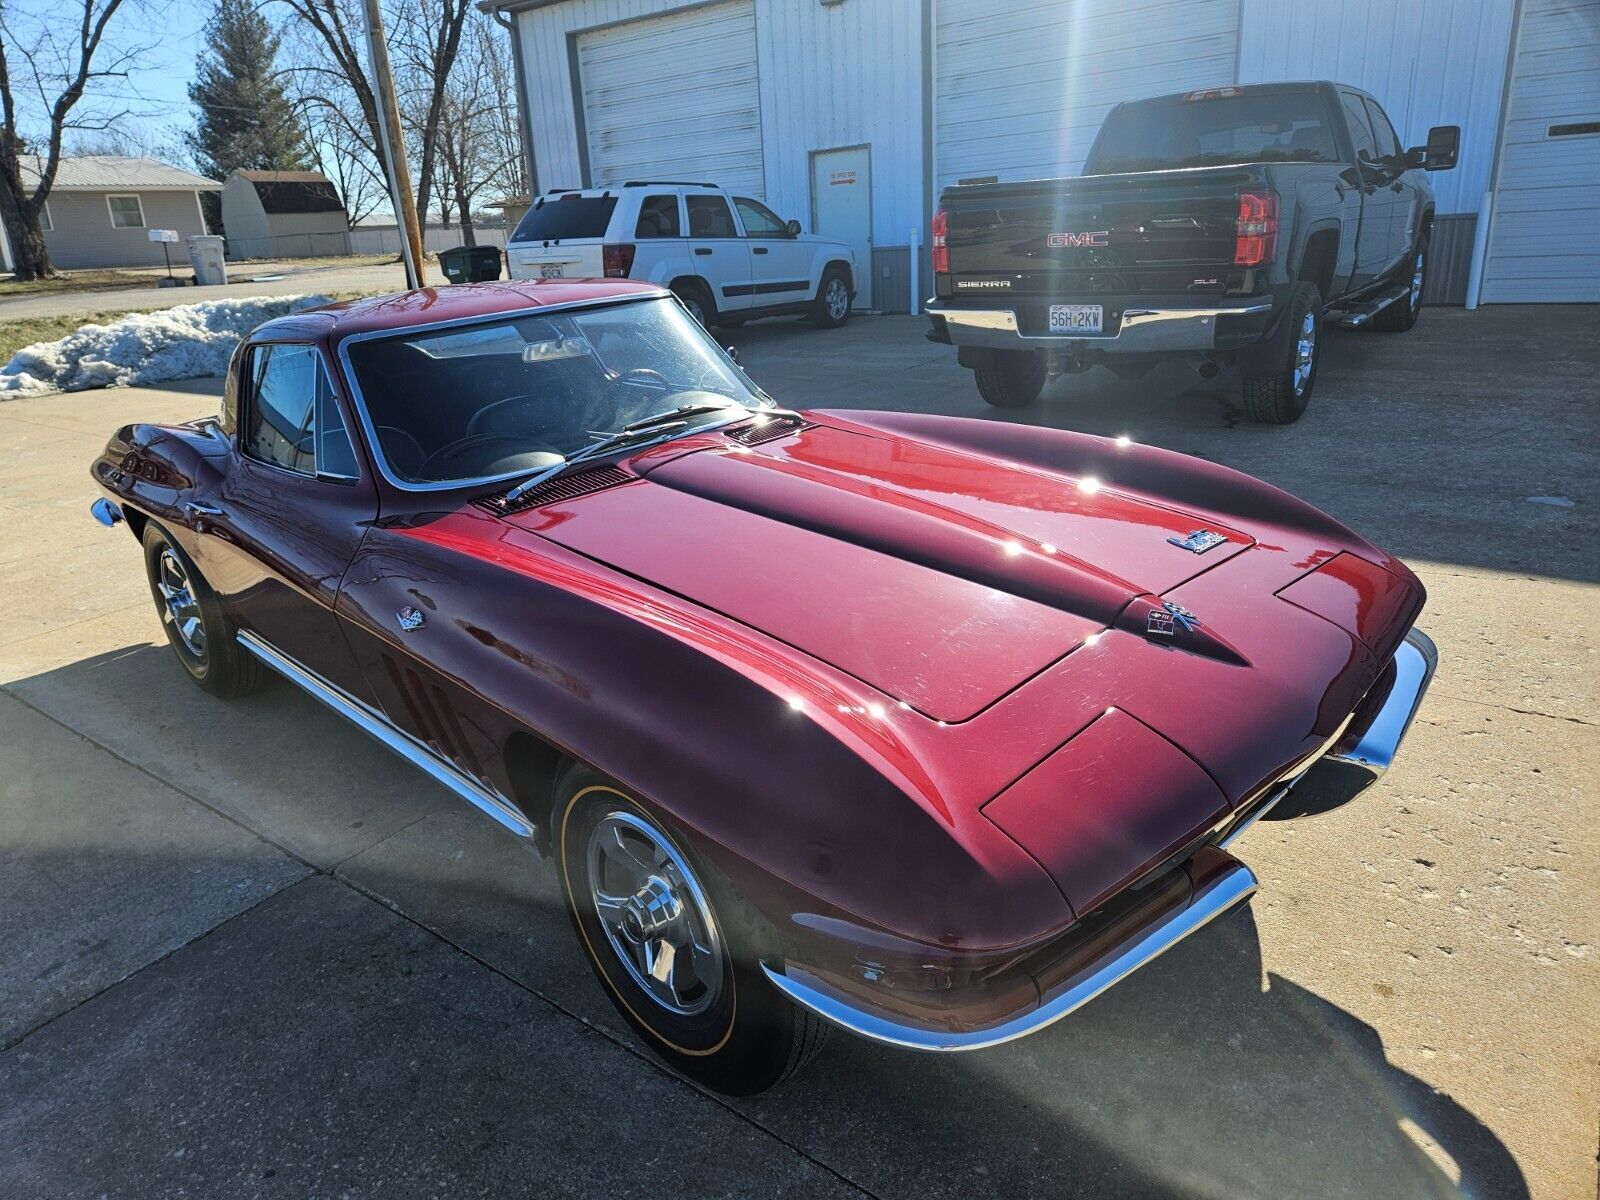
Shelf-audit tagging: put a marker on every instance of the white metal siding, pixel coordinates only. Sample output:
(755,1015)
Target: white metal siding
(1542,243)
(675,97)
(84,237)
(1021,86)
(1429,62)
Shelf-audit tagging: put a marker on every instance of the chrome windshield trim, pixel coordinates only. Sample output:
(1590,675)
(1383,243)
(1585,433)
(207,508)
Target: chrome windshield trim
(1231,888)
(369,430)
(424,758)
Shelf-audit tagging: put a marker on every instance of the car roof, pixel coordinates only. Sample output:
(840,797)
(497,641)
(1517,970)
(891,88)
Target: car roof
(432,305)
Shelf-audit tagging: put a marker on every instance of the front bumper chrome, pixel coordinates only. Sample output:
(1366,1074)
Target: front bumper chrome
(1140,331)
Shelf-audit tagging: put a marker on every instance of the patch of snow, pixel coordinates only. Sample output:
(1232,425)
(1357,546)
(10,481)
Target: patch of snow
(186,342)
(1552,501)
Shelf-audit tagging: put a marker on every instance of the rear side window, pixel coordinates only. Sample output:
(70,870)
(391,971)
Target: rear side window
(709,217)
(1175,132)
(556,218)
(1360,132)
(292,419)
(658,218)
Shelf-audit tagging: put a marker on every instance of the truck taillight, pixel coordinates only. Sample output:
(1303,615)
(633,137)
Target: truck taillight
(1256,239)
(618,259)
(941,250)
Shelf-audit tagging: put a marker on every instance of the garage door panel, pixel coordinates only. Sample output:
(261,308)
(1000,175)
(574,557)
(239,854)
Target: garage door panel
(674,97)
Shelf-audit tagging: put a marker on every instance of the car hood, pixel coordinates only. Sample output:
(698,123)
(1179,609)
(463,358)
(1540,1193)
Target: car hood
(941,578)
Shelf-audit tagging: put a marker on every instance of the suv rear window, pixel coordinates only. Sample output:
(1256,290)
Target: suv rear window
(1175,132)
(560,217)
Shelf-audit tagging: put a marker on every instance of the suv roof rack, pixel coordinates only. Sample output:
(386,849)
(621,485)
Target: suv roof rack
(667,183)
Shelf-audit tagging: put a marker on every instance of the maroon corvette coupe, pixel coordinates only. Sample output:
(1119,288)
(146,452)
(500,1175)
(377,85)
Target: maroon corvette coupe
(932,729)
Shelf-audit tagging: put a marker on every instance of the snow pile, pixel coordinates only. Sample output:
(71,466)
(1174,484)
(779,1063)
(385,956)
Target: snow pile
(185,342)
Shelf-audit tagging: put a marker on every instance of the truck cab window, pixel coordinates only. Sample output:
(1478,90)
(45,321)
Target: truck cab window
(1360,130)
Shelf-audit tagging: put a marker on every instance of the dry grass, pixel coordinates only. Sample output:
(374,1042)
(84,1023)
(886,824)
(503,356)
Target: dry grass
(80,281)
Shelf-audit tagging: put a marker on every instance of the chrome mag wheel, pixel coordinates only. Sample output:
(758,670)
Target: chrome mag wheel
(1305,355)
(655,914)
(836,298)
(180,608)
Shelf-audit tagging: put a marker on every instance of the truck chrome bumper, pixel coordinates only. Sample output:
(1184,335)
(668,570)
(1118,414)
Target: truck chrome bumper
(1217,883)
(1140,331)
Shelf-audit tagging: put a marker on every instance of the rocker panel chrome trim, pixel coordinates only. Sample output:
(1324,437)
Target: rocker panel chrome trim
(424,758)
(1207,904)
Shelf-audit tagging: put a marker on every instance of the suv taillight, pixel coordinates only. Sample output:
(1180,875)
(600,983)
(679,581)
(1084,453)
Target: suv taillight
(1256,239)
(941,251)
(618,259)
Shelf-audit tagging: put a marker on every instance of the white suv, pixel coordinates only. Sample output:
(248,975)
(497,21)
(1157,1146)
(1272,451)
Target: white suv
(728,258)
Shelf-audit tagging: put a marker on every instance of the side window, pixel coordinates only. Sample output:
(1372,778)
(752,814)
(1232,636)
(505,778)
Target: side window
(709,217)
(1360,132)
(658,218)
(759,220)
(1388,144)
(291,418)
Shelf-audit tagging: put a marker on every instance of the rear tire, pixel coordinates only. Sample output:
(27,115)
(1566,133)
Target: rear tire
(202,636)
(833,302)
(696,297)
(1277,392)
(1402,314)
(1011,378)
(719,1022)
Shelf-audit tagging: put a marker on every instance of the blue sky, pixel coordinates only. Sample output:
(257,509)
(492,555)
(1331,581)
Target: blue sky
(161,84)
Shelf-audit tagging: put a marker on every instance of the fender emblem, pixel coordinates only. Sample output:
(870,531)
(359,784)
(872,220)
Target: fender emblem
(1199,541)
(411,618)
(1166,619)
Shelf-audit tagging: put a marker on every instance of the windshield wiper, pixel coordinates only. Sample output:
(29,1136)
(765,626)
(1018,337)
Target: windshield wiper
(623,437)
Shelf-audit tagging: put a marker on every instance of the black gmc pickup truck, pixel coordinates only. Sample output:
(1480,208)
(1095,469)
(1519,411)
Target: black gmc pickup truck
(1220,225)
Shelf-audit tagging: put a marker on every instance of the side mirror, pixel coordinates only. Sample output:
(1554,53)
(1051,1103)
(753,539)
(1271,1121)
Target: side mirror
(792,228)
(1444,144)
(732,352)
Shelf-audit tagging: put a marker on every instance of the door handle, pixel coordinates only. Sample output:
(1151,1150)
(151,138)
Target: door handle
(200,508)
(702,249)
(758,249)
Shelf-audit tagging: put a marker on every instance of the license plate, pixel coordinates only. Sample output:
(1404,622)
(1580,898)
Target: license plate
(551,271)
(1076,318)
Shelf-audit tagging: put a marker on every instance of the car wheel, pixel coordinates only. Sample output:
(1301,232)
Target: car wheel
(674,947)
(200,633)
(831,308)
(698,301)
(1279,392)
(1011,378)
(1402,314)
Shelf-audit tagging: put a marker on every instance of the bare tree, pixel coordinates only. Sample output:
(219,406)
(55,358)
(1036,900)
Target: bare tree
(425,40)
(52,58)
(472,152)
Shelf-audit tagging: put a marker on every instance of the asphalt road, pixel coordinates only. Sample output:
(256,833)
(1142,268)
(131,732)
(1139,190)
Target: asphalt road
(246,952)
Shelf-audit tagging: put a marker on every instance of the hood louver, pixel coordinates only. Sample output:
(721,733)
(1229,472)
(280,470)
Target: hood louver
(565,487)
(768,430)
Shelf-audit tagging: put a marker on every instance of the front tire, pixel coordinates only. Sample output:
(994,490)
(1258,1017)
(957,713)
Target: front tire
(675,948)
(1011,378)
(200,633)
(1277,393)
(831,308)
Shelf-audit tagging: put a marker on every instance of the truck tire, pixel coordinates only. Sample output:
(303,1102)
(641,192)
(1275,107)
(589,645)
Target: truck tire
(1402,314)
(1277,391)
(1011,378)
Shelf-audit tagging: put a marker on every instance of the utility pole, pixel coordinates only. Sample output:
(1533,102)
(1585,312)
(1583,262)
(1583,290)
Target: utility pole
(394,147)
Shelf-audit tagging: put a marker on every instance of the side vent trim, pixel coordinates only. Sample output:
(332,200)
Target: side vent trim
(768,430)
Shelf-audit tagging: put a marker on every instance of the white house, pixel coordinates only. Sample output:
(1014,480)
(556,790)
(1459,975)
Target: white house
(283,214)
(792,100)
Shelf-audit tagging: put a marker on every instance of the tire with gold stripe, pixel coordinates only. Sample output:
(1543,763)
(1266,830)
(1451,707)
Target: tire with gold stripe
(671,942)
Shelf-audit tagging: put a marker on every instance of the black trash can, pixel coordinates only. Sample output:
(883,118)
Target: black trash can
(470,264)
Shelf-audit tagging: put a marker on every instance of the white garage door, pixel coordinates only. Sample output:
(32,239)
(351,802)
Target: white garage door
(1542,243)
(675,97)
(1022,85)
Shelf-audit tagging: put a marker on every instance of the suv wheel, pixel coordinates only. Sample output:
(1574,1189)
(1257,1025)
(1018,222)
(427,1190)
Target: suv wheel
(1278,390)
(831,308)
(698,301)
(1011,378)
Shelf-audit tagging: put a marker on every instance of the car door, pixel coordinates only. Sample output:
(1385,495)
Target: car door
(718,250)
(291,510)
(1404,193)
(1377,200)
(780,264)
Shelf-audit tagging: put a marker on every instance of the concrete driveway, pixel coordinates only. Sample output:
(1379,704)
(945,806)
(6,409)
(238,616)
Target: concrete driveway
(248,953)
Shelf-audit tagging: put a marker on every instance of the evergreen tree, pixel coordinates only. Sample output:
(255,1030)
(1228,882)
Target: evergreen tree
(246,121)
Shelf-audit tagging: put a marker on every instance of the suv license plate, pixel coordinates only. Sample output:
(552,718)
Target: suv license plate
(1075,318)
(550,271)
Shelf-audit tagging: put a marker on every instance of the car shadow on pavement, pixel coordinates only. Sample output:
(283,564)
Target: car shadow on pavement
(1201,1074)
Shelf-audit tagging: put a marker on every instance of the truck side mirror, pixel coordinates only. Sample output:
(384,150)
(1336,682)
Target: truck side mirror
(1444,143)
(792,228)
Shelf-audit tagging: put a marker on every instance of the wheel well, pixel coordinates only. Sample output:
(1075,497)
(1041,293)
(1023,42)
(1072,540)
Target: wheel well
(693,283)
(532,765)
(136,522)
(1319,258)
(849,275)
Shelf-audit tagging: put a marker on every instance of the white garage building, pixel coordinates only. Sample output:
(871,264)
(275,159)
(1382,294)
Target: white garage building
(793,100)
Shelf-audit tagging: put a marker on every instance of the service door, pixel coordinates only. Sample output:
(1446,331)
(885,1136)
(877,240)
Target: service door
(841,207)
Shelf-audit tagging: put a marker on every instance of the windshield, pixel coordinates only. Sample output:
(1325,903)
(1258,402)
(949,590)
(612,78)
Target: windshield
(1175,132)
(517,394)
